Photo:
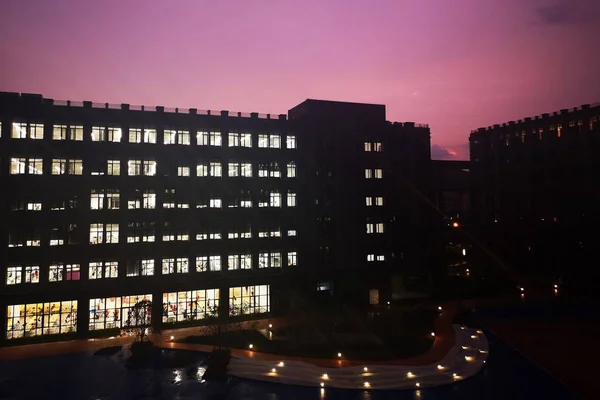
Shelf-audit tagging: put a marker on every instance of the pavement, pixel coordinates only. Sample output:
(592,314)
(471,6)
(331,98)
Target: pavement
(444,340)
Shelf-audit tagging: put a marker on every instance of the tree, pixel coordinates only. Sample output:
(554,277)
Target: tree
(139,319)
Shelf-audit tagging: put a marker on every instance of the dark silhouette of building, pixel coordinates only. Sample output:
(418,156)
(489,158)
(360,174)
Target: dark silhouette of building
(203,213)
(536,191)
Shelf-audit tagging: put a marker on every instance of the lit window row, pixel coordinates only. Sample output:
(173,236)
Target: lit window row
(375,228)
(60,317)
(136,232)
(139,135)
(374,201)
(38,319)
(376,173)
(373,146)
(373,257)
(63,166)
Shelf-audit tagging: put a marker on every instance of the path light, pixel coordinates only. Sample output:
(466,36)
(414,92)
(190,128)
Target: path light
(468,358)
(479,331)
(281,364)
(483,352)
(325,376)
(322,384)
(270,326)
(366,384)
(440,308)
(250,346)
(433,334)
(555,286)
(466,347)
(418,384)
(410,375)
(522,289)
(366,369)
(172,338)
(440,367)
(454,375)
(339,355)
(274,371)
(388,303)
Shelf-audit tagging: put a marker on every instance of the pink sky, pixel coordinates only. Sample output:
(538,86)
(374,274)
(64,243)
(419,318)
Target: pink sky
(454,64)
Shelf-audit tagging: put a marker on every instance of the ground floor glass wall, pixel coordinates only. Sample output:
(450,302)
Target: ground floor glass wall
(112,312)
(190,305)
(27,320)
(249,300)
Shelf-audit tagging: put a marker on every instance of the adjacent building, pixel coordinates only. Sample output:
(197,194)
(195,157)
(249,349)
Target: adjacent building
(204,213)
(536,190)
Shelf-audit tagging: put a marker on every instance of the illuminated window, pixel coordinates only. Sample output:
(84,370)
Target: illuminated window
(202,138)
(263,141)
(190,305)
(291,142)
(291,199)
(274,199)
(113,167)
(368,173)
(27,320)
(233,139)
(59,166)
(215,169)
(292,258)
(76,133)
(114,134)
(26,166)
(246,140)
(103,270)
(32,274)
(135,135)
(177,137)
(134,168)
(104,233)
(378,147)
(59,132)
(239,261)
(183,171)
(370,228)
(98,134)
(292,232)
(249,300)
(215,203)
(215,139)
(379,201)
(246,170)
(380,257)
(208,263)
(14,275)
(149,167)
(75,167)
(269,260)
(64,272)
(379,227)
(368,146)
(112,312)
(378,173)
(97,199)
(27,131)
(233,170)
(149,199)
(274,141)
(369,201)
(202,170)
(291,170)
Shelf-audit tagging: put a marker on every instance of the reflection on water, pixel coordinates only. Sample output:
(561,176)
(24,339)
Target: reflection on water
(85,376)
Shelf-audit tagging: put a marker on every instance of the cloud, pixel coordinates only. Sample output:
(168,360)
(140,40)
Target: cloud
(568,12)
(458,152)
(440,153)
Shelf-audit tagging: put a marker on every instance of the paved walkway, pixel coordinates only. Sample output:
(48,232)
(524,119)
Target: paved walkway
(443,343)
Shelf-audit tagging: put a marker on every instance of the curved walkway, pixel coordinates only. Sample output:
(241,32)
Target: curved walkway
(464,360)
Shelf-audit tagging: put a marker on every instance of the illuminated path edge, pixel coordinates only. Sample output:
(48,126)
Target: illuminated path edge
(465,359)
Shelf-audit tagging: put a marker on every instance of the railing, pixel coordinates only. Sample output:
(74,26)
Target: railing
(538,117)
(171,110)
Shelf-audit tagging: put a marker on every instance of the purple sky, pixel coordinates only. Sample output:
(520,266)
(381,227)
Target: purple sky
(455,64)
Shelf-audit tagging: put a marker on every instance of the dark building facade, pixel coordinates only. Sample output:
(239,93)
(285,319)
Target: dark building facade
(536,190)
(202,213)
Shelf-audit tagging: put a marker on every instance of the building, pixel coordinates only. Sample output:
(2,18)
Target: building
(202,213)
(536,190)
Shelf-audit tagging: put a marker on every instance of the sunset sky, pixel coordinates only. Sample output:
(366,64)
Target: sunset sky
(454,64)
